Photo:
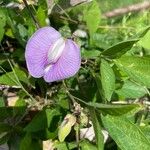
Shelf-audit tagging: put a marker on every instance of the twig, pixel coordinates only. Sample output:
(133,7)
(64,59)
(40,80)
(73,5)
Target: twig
(124,10)
(73,98)
(67,15)
(18,81)
(115,27)
(67,92)
(69,19)
(31,14)
(77,131)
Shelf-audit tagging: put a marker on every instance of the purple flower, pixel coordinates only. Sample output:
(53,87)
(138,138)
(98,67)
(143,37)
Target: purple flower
(50,56)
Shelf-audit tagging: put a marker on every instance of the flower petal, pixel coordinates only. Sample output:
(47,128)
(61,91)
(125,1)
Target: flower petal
(37,50)
(56,50)
(67,65)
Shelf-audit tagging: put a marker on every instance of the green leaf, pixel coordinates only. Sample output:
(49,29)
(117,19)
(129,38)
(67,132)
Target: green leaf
(2,22)
(65,145)
(137,68)
(107,79)
(12,23)
(14,140)
(144,42)
(66,126)
(87,90)
(4,127)
(22,31)
(99,40)
(5,112)
(114,109)
(50,114)
(20,103)
(48,128)
(41,121)
(131,90)
(97,130)
(2,17)
(11,79)
(4,137)
(21,74)
(142,33)
(2,102)
(99,85)
(27,143)
(8,79)
(146,130)
(126,134)
(86,145)
(119,49)
(90,54)
(41,16)
(10,112)
(2,31)
(91,15)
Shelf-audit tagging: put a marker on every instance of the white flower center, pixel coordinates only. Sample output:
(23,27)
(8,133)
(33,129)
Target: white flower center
(47,68)
(56,50)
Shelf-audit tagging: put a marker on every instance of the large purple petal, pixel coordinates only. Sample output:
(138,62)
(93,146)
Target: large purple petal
(37,50)
(67,65)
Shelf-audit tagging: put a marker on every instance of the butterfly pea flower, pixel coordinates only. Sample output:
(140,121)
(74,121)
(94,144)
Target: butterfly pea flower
(51,56)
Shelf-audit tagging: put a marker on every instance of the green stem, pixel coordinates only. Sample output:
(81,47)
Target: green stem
(17,79)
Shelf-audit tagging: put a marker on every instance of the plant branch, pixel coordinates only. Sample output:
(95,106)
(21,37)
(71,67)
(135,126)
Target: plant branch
(132,8)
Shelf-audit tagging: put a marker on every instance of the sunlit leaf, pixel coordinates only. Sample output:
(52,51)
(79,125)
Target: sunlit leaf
(90,54)
(91,15)
(137,68)
(131,90)
(126,134)
(97,130)
(11,78)
(2,22)
(66,126)
(86,145)
(119,49)
(65,145)
(145,41)
(41,16)
(114,109)
(107,79)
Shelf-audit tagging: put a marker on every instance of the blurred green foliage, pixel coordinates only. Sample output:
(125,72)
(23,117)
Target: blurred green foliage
(111,90)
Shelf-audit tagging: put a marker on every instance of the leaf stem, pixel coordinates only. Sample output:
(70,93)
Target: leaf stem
(17,79)
(67,91)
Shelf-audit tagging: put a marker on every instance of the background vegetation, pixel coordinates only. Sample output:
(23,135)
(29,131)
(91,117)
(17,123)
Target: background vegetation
(110,92)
